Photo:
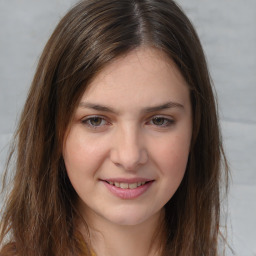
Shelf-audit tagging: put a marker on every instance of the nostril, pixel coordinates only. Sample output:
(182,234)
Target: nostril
(128,155)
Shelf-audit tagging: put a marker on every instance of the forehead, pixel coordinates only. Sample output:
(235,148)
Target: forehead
(145,74)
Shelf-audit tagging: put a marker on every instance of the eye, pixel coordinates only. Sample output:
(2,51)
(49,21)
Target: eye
(95,121)
(161,121)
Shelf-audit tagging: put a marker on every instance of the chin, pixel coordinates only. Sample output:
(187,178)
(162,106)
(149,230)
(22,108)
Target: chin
(129,217)
(126,220)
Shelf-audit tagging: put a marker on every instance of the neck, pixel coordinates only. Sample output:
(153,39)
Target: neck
(108,239)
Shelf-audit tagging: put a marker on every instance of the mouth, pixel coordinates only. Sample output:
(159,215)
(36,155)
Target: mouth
(128,188)
(125,185)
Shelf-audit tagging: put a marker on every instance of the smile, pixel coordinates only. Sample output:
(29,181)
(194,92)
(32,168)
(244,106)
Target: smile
(128,189)
(126,185)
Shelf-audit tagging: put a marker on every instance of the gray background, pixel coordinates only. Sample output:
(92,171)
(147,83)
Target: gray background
(227,29)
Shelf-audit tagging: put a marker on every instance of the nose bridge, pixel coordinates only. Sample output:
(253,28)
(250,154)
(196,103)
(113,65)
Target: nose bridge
(129,149)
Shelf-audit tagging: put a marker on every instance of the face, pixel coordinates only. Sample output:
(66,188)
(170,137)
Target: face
(127,147)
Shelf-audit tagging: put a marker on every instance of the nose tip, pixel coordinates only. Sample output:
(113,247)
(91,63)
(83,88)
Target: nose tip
(129,153)
(129,161)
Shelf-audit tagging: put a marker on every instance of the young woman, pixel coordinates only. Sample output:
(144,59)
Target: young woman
(118,147)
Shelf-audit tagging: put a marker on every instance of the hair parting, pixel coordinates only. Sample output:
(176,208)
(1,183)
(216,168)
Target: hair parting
(40,214)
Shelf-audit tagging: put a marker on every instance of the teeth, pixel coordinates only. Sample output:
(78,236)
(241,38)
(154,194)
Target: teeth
(127,185)
(133,185)
(123,185)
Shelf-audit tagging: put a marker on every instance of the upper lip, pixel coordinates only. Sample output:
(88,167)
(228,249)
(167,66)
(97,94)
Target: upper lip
(127,180)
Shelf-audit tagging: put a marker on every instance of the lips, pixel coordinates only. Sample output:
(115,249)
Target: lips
(128,188)
(124,185)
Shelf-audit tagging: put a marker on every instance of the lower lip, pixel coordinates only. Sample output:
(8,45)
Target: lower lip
(128,193)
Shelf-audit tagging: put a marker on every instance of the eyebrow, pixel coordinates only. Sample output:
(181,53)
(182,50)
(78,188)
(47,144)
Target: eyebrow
(103,108)
(96,107)
(167,105)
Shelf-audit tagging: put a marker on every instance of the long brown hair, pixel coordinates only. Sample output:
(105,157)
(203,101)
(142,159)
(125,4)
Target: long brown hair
(40,211)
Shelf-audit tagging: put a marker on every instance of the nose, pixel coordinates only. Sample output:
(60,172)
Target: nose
(128,150)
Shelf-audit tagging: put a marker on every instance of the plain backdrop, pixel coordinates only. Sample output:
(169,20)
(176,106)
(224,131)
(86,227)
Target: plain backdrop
(227,29)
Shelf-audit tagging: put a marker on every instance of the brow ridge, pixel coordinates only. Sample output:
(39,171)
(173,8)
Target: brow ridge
(103,108)
(167,105)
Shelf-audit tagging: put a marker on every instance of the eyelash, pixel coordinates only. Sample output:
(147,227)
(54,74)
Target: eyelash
(166,122)
(88,121)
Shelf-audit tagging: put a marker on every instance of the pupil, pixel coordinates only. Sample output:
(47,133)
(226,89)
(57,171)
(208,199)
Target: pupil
(158,121)
(96,121)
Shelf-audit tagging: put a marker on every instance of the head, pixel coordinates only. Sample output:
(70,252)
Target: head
(90,37)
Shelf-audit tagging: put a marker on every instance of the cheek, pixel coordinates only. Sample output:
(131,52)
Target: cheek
(172,156)
(82,155)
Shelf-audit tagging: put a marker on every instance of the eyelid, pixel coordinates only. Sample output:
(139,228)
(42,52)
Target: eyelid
(170,121)
(86,119)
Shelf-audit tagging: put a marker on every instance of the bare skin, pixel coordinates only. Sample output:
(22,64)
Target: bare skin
(127,149)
